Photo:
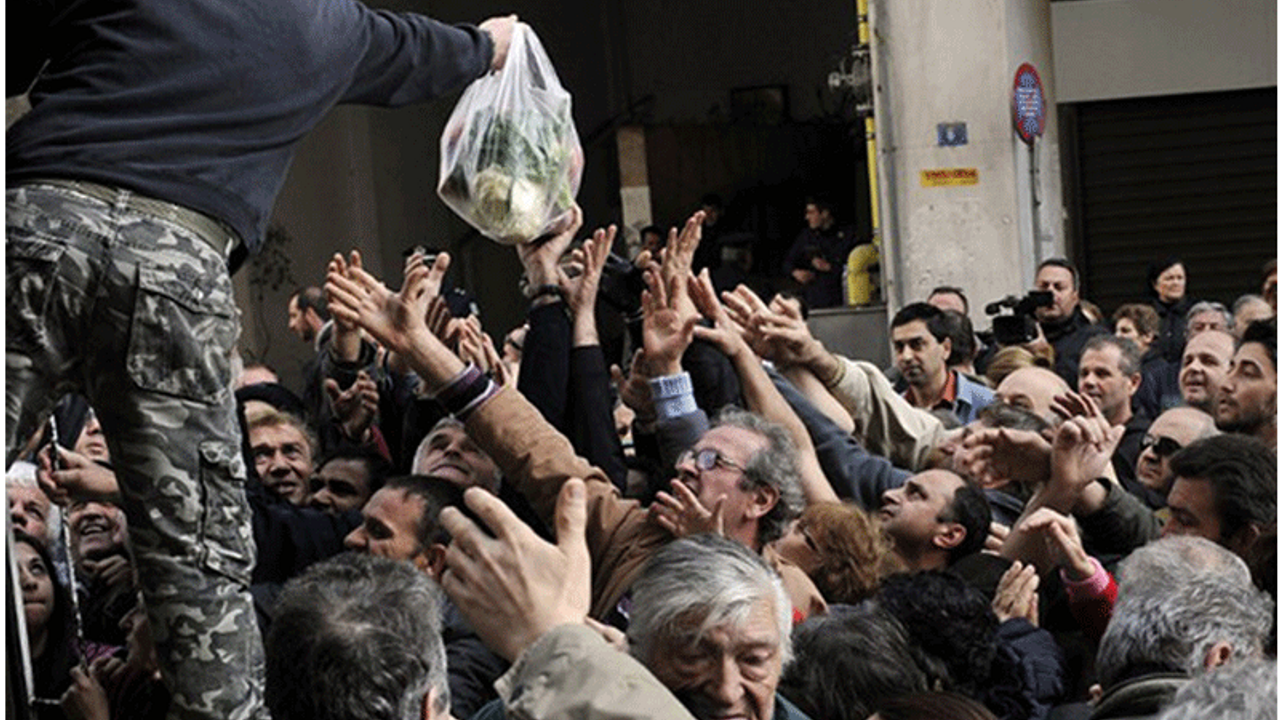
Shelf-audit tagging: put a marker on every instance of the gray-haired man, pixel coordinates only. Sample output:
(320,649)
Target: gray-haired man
(713,623)
(1186,606)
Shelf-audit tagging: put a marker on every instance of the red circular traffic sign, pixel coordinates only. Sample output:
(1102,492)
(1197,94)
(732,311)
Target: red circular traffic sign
(1028,103)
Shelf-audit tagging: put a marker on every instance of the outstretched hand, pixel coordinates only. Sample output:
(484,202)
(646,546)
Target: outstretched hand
(396,319)
(776,331)
(581,291)
(724,333)
(514,586)
(1050,539)
(358,298)
(1083,445)
(677,254)
(633,386)
(999,455)
(1016,595)
(356,407)
(541,260)
(669,317)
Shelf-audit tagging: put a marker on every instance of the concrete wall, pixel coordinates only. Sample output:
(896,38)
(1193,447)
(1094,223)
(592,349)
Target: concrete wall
(1107,49)
(955,62)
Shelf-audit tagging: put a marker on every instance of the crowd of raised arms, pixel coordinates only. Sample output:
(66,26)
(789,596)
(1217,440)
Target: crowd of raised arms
(726,520)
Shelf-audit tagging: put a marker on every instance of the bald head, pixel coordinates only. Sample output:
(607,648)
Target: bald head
(1033,389)
(1173,430)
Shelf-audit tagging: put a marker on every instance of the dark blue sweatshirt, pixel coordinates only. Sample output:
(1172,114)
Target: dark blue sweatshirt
(201,103)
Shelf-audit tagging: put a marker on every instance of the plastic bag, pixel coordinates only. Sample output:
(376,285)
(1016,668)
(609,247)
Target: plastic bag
(510,159)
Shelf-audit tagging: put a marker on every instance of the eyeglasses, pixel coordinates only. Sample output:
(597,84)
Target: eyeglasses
(707,458)
(1161,446)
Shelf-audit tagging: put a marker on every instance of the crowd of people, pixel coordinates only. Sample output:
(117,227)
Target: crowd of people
(735,523)
(1073,521)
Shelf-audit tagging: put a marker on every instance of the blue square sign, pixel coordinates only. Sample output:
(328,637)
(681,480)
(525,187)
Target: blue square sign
(952,134)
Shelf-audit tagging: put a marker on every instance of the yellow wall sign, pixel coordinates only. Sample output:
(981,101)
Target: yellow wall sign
(943,177)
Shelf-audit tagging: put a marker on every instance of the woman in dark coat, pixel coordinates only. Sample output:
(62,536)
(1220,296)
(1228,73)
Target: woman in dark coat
(1167,283)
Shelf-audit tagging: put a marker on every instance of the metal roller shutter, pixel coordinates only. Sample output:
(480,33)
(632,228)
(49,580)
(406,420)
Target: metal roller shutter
(1188,175)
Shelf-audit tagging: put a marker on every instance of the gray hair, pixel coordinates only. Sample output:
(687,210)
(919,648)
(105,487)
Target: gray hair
(1238,691)
(1246,299)
(1211,306)
(421,452)
(23,474)
(774,466)
(1178,597)
(699,583)
(356,637)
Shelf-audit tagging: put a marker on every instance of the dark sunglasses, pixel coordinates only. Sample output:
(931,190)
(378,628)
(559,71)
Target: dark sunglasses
(707,458)
(1161,446)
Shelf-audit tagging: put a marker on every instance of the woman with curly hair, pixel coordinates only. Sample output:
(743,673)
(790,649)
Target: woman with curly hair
(842,549)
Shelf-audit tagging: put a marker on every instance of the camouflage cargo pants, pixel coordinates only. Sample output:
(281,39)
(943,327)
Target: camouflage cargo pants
(136,311)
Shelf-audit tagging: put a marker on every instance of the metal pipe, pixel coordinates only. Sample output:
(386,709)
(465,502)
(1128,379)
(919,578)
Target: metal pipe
(870,30)
(860,288)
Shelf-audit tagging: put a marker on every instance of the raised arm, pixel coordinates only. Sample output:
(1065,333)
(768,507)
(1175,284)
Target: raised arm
(884,422)
(757,388)
(396,319)
(806,382)
(590,413)
(544,376)
(852,472)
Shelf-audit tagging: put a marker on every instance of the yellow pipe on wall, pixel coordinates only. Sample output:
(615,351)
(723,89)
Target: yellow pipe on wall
(860,288)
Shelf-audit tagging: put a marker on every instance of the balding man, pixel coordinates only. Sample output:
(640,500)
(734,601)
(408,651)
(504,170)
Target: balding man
(1033,389)
(1175,429)
(1204,366)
